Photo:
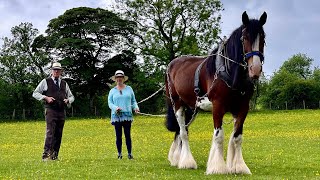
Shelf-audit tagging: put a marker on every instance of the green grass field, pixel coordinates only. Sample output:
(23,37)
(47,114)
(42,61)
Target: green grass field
(277,145)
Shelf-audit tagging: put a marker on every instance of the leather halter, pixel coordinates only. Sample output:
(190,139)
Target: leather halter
(254,53)
(247,55)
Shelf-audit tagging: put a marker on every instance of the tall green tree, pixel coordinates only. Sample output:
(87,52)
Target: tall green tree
(21,68)
(169,28)
(19,62)
(316,75)
(299,65)
(84,39)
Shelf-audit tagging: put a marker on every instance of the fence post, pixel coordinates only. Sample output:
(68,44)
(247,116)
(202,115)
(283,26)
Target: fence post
(23,113)
(304,105)
(286,105)
(71,111)
(270,105)
(14,114)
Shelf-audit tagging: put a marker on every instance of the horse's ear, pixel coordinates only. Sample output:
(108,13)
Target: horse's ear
(245,18)
(263,18)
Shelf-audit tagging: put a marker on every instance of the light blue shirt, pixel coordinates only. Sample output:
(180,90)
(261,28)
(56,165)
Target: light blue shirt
(125,99)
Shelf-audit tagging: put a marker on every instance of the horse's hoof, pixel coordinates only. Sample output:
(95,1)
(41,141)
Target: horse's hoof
(240,170)
(220,170)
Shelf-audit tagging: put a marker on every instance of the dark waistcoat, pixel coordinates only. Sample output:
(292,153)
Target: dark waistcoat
(57,93)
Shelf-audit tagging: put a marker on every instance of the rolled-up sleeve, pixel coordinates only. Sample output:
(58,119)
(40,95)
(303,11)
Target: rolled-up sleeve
(69,94)
(134,101)
(111,105)
(37,93)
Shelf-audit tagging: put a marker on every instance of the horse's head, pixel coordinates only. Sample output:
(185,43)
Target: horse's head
(253,41)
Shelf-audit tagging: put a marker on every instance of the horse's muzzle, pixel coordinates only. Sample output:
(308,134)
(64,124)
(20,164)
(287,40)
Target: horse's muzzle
(255,68)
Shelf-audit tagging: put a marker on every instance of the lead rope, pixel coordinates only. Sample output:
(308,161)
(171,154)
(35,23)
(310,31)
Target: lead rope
(145,114)
(151,95)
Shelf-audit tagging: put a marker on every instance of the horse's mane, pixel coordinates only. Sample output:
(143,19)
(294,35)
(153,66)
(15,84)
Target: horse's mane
(234,48)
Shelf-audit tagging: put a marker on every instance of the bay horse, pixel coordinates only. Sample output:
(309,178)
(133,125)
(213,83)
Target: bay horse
(225,81)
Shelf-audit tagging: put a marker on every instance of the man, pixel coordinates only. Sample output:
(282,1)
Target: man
(56,95)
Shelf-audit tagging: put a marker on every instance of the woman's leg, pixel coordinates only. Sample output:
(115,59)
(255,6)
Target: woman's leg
(127,133)
(118,130)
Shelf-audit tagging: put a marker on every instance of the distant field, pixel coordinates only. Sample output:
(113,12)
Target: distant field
(277,145)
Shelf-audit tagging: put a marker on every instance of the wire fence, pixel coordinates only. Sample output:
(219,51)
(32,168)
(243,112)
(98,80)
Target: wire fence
(291,106)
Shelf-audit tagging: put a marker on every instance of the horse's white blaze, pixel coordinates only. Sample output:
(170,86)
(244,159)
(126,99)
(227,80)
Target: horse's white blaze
(256,65)
(186,159)
(235,162)
(205,104)
(216,164)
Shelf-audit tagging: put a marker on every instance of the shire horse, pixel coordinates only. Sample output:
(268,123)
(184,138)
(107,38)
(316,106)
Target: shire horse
(223,81)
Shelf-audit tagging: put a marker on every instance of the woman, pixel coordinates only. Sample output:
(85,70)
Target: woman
(122,101)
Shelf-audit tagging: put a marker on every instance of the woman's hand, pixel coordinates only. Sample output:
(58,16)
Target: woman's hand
(118,109)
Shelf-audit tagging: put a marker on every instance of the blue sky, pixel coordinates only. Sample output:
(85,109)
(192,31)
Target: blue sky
(292,26)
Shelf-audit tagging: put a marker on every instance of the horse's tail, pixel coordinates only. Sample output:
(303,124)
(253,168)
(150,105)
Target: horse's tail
(171,120)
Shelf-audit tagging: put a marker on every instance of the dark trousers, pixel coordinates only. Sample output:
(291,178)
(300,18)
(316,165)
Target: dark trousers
(126,125)
(54,127)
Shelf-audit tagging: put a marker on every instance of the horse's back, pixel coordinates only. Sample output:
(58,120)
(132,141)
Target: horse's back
(182,71)
(184,67)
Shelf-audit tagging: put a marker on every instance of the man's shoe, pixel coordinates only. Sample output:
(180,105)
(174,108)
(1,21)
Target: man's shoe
(46,157)
(119,156)
(54,156)
(130,156)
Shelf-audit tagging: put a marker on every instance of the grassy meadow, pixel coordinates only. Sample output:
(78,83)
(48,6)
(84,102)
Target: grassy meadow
(276,145)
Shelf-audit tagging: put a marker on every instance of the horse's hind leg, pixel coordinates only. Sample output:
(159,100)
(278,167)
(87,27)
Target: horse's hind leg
(175,150)
(186,159)
(235,162)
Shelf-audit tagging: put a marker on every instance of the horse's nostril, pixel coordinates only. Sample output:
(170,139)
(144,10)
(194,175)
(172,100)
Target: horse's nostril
(255,77)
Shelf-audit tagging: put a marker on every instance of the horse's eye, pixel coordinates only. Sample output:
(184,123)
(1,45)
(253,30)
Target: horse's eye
(244,38)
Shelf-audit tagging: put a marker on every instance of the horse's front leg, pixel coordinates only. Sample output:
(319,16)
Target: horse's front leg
(235,162)
(186,159)
(216,163)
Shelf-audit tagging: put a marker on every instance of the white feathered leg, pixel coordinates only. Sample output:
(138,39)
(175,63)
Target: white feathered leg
(186,159)
(235,162)
(175,151)
(216,164)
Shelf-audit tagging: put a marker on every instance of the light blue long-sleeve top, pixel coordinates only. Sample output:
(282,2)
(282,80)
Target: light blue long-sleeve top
(125,99)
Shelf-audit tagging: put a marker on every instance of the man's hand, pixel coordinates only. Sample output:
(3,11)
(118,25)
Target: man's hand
(136,110)
(49,99)
(66,101)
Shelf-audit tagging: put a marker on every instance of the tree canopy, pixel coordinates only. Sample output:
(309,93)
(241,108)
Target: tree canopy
(21,69)
(167,28)
(299,65)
